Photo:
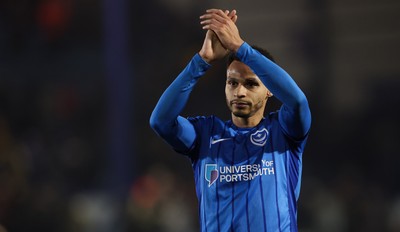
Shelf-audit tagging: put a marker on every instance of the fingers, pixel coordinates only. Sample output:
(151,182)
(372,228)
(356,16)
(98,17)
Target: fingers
(234,18)
(232,14)
(225,14)
(222,23)
(219,15)
(214,18)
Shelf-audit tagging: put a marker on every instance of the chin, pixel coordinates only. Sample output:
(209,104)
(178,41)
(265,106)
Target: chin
(241,114)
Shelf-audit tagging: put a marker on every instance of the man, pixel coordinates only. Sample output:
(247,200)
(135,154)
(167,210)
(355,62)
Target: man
(247,170)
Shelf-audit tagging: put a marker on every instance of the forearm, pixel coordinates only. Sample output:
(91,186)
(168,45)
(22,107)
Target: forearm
(295,110)
(273,77)
(164,119)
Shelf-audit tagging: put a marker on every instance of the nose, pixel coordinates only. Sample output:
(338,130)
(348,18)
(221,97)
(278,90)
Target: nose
(240,91)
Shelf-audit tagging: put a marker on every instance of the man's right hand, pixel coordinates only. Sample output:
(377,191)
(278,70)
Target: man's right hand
(212,48)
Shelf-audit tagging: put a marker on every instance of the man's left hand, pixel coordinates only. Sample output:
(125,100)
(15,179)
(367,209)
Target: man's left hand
(224,27)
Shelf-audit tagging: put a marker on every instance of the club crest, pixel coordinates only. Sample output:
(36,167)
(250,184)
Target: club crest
(259,137)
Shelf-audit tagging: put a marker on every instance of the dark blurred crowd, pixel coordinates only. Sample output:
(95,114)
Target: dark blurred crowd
(55,171)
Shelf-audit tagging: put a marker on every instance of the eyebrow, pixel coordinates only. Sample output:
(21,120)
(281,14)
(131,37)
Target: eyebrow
(252,79)
(231,78)
(248,79)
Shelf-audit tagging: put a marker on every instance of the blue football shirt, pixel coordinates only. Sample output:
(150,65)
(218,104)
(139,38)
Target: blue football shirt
(246,179)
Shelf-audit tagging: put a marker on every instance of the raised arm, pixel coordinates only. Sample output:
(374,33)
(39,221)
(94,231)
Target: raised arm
(295,116)
(165,119)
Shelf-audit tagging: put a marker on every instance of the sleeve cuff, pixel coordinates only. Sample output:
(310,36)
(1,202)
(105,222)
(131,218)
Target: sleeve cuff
(243,51)
(202,64)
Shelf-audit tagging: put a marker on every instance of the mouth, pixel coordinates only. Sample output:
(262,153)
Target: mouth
(240,104)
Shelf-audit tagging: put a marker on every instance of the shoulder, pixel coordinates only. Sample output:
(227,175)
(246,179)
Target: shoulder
(273,117)
(204,120)
(206,125)
(273,121)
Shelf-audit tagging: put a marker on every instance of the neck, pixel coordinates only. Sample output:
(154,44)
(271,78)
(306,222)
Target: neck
(246,122)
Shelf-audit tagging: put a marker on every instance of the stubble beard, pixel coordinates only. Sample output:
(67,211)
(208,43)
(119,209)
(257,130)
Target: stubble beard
(244,113)
(241,113)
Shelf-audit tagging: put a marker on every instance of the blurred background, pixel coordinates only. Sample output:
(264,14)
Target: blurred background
(79,79)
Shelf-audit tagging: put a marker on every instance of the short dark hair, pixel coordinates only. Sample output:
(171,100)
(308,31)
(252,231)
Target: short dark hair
(232,55)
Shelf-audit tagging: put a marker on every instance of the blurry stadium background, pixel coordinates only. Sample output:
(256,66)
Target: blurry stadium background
(79,79)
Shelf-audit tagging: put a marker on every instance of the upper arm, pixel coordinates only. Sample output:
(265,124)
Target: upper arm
(296,121)
(294,115)
(180,133)
(185,133)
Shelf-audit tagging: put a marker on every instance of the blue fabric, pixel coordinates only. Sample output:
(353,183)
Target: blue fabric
(295,116)
(246,180)
(165,119)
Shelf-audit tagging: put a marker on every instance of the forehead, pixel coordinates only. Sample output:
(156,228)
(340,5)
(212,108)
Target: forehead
(240,70)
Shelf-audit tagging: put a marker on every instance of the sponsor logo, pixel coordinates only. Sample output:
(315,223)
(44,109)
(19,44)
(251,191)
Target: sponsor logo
(211,173)
(238,173)
(259,137)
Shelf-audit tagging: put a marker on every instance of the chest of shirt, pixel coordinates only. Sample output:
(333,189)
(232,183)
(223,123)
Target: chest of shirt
(240,158)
